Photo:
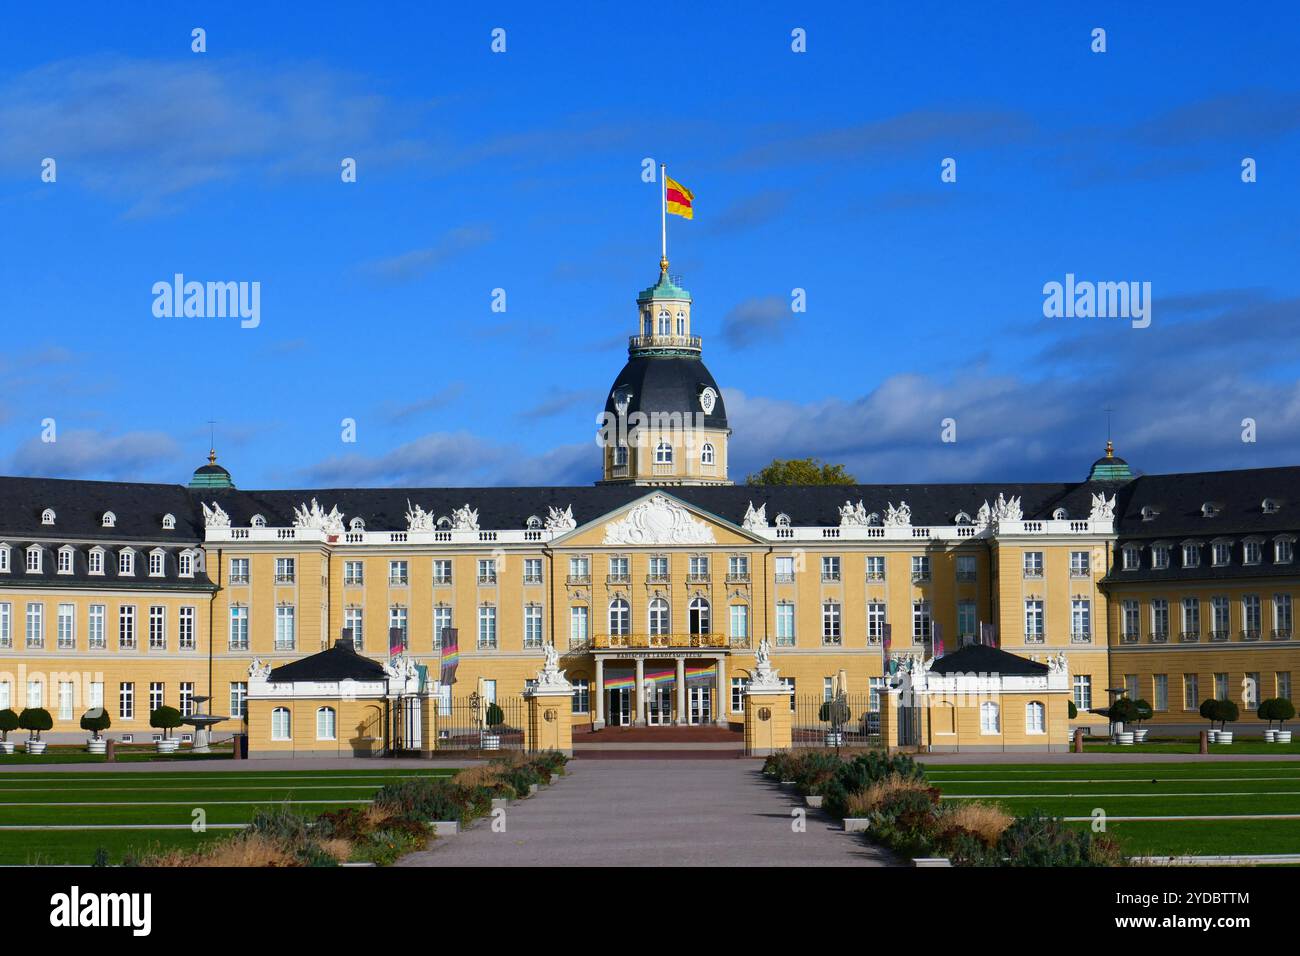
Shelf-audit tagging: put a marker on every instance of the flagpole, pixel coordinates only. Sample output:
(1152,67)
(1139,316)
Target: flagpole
(663,217)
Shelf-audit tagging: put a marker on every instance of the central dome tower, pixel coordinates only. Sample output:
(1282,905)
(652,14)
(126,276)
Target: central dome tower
(665,422)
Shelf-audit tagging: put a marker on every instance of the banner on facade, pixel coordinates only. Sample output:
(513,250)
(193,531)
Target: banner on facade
(620,678)
(450,655)
(664,677)
(888,637)
(936,634)
(701,674)
(396,641)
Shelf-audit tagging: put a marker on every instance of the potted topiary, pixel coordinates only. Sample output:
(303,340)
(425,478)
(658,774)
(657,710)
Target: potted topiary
(8,722)
(1121,713)
(35,719)
(836,713)
(1281,710)
(166,719)
(96,721)
(1209,709)
(1144,713)
(493,717)
(1227,712)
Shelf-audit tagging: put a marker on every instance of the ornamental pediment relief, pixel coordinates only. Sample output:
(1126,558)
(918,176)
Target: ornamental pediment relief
(659,520)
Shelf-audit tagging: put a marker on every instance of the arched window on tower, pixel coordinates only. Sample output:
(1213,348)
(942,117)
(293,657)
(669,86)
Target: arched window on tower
(681,323)
(665,323)
(663,453)
(620,456)
(706,454)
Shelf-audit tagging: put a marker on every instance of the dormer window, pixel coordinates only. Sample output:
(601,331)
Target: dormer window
(185,564)
(47,516)
(257,521)
(95,561)
(1209,510)
(169,522)
(1270,506)
(533,523)
(34,559)
(1160,556)
(126,561)
(65,559)
(1283,550)
(962,518)
(1132,558)
(356,524)
(783,521)
(4,559)
(1221,554)
(110,520)
(1060,514)
(156,563)
(1251,551)
(1191,555)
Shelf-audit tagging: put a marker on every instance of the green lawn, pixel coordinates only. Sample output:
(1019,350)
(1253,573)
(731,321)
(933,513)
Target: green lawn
(168,798)
(1190,745)
(1149,790)
(76,753)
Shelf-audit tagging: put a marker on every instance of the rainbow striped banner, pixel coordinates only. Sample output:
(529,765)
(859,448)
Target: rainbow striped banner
(620,680)
(665,677)
(702,673)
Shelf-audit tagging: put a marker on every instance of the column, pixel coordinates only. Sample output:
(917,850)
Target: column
(640,692)
(681,691)
(724,695)
(599,691)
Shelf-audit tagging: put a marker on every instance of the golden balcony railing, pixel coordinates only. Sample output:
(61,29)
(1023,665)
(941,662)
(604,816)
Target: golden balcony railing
(617,641)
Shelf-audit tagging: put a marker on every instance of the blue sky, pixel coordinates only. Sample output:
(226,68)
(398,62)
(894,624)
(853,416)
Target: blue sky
(522,171)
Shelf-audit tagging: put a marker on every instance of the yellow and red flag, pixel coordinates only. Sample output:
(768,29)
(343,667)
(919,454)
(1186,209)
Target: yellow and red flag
(678,198)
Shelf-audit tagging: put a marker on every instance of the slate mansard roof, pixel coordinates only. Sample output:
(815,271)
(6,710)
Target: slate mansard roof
(1173,502)
(667,384)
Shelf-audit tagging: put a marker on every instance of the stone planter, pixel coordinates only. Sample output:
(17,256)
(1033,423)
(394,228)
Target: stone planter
(6,747)
(533,788)
(1124,738)
(834,740)
(1214,736)
(168,745)
(1270,736)
(499,802)
(1283,737)
(35,747)
(445,828)
(491,742)
(931,861)
(99,746)
(814,800)
(1225,737)
(1140,735)
(855,824)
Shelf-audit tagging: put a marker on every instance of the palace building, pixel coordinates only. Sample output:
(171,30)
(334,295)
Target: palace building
(656,583)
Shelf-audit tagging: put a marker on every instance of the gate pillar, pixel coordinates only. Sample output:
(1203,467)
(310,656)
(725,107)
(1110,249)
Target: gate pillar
(767,721)
(550,720)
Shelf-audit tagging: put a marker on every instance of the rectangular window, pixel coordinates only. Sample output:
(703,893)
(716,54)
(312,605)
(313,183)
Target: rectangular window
(239,628)
(239,570)
(354,623)
(1079,566)
(699,568)
(1251,617)
(397,619)
(532,570)
(784,624)
(487,627)
(1220,611)
(920,567)
(1131,686)
(354,572)
(1282,617)
(830,568)
(1083,691)
(185,564)
(126,562)
(4,559)
(965,568)
(1130,623)
(579,625)
(1283,551)
(285,570)
(875,685)
(1220,686)
(620,570)
(96,695)
(1159,556)
(239,699)
(441,623)
(155,564)
(580,568)
(65,699)
(397,573)
(1034,621)
(784,569)
(738,568)
(789,683)
(1283,681)
(187,698)
(1191,692)
(34,559)
(921,622)
(95,561)
(66,629)
(156,695)
(97,636)
(185,628)
(1159,619)
(1251,552)
(1033,564)
(487,571)
(1191,556)
(36,693)
(6,695)
(285,634)
(1132,559)
(65,561)
(533,625)
(1191,618)
(157,627)
(1081,620)
(442,571)
(876,567)
(1035,718)
(1220,554)
(126,701)
(739,623)
(35,624)
(875,622)
(737,695)
(582,696)
(831,623)
(6,624)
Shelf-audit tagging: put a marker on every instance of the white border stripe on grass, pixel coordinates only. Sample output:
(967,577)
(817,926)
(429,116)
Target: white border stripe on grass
(1165,819)
(1159,780)
(1166,795)
(284,789)
(122,826)
(181,803)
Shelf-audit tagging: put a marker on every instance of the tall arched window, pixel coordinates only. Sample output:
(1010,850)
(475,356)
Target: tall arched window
(658,616)
(699,615)
(281,727)
(681,323)
(1035,718)
(706,454)
(663,453)
(325,724)
(665,323)
(990,720)
(620,617)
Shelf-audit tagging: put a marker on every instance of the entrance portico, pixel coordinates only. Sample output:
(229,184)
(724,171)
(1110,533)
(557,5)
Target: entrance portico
(660,686)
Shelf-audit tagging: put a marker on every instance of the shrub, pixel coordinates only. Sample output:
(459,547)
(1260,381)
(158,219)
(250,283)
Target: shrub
(1073,709)
(1041,840)
(8,722)
(985,821)
(868,801)
(834,712)
(906,821)
(1276,708)
(1229,712)
(165,719)
(494,716)
(427,799)
(1144,710)
(35,719)
(1123,711)
(861,772)
(96,721)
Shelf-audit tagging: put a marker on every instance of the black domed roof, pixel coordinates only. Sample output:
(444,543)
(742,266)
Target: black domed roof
(667,384)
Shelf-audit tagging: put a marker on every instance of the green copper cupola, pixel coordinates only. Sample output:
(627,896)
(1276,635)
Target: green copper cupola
(1109,467)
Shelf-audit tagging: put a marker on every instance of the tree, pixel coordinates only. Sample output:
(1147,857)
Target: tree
(1123,711)
(1144,710)
(1276,708)
(8,722)
(494,716)
(1228,713)
(165,719)
(96,721)
(834,712)
(1074,710)
(1209,709)
(35,719)
(801,471)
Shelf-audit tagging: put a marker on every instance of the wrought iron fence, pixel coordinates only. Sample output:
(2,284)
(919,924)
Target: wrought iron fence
(847,721)
(471,723)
